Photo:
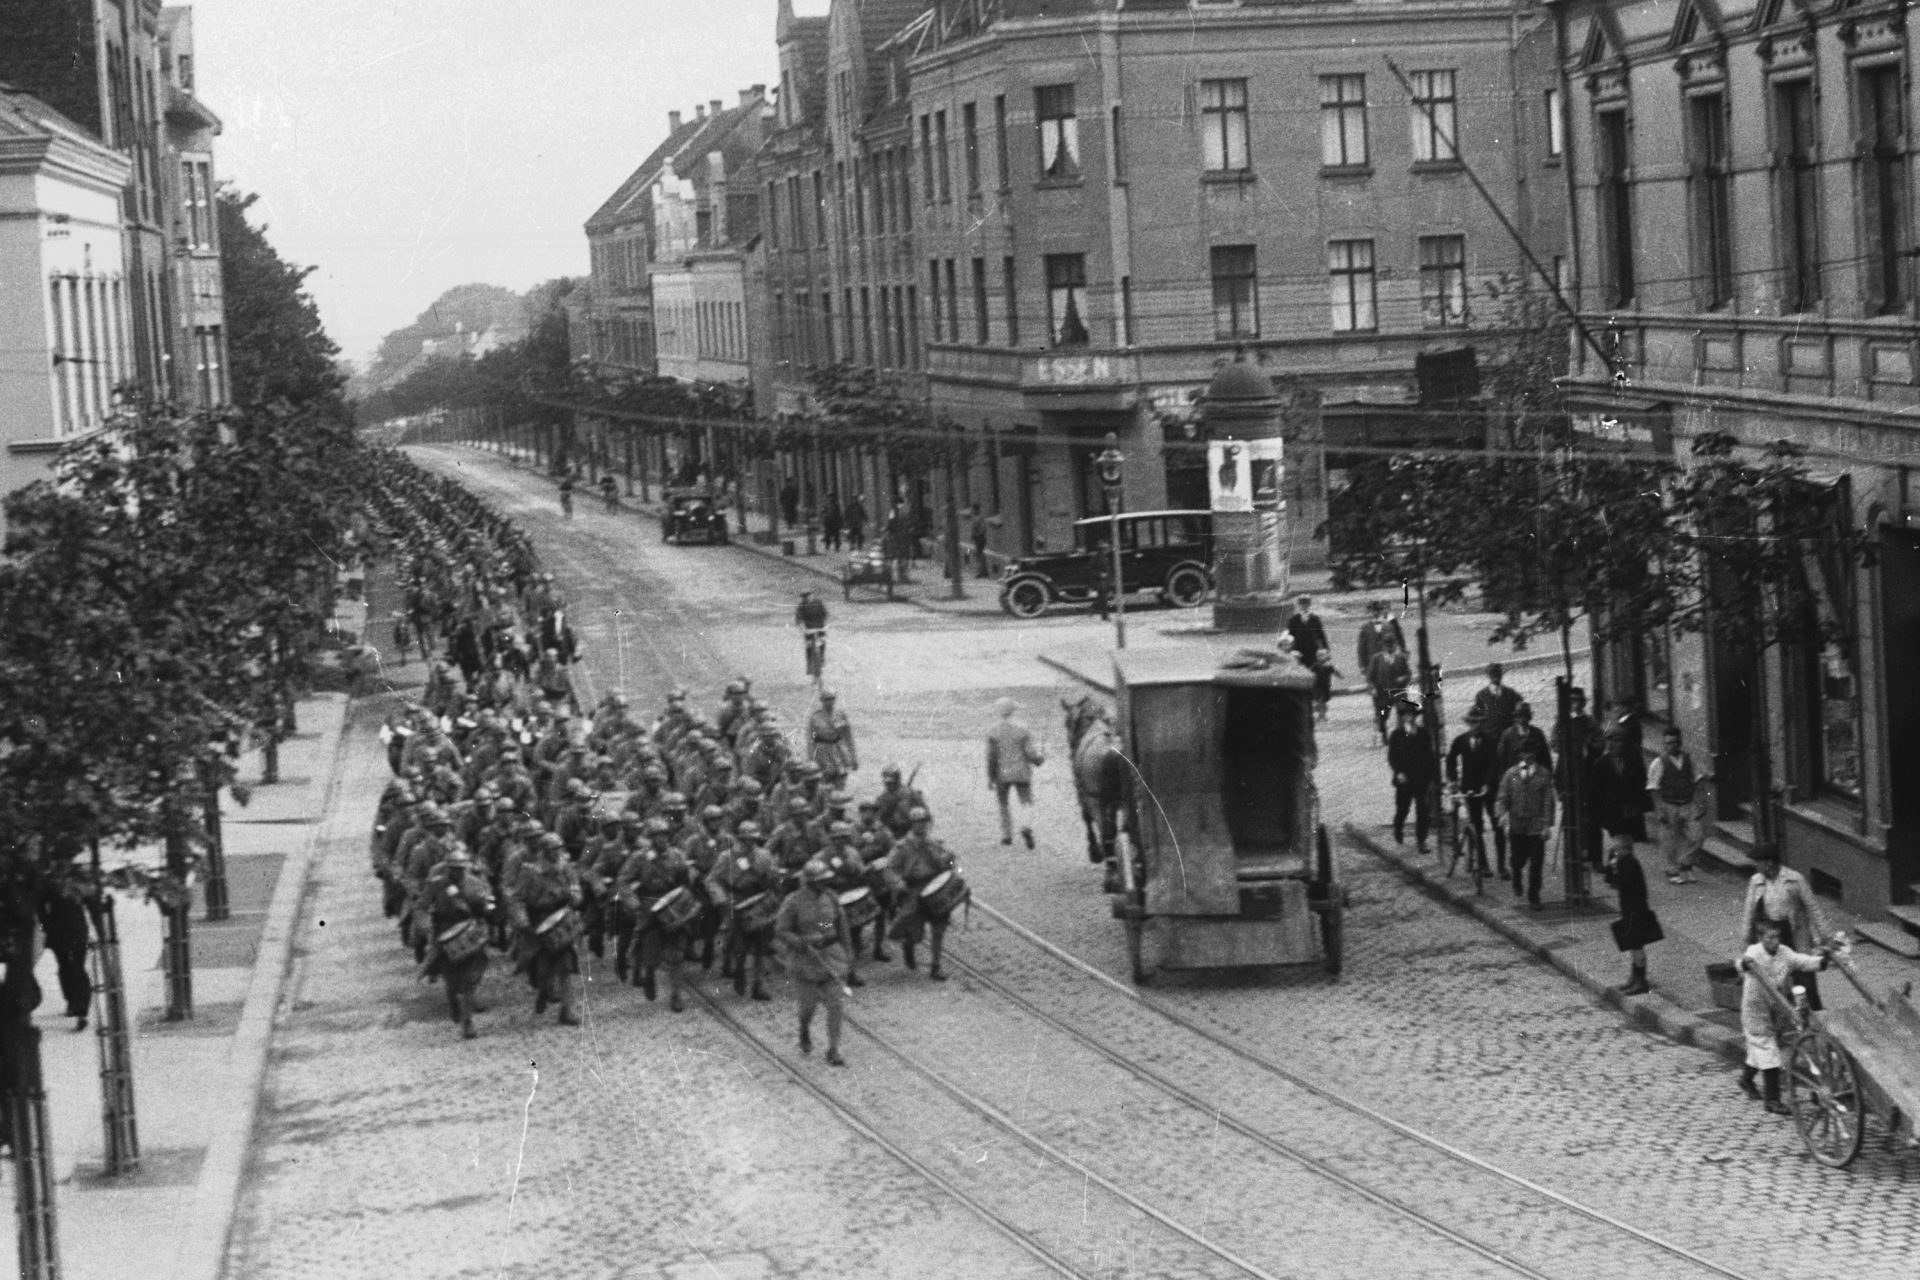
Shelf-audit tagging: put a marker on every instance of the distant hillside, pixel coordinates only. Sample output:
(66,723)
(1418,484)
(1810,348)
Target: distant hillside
(464,309)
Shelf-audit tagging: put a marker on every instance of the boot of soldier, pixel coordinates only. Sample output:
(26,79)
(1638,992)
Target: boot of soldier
(568,1018)
(759,980)
(933,970)
(806,1037)
(673,992)
(455,1008)
(646,984)
(906,954)
(739,963)
(1747,1086)
(706,954)
(1770,1083)
(542,995)
(420,948)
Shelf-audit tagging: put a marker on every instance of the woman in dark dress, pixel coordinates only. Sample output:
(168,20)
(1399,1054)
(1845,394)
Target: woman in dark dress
(1637,926)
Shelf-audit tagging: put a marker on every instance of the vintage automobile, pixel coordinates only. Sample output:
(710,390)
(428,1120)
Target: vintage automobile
(693,515)
(1169,552)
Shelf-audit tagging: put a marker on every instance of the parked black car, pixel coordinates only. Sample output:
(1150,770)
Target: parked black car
(693,515)
(1169,552)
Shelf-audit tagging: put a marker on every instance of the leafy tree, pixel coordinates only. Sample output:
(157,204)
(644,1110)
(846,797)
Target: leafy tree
(277,347)
(1769,546)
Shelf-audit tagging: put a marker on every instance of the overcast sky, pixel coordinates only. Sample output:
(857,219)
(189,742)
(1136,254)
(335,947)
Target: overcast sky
(406,146)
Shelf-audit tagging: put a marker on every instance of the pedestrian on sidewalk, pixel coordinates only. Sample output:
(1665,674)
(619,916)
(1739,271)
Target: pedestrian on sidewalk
(1618,793)
(1525,808)
(1388,676)
(1522,737)
(1637,928)
(1778,895)
(830,522)
(855,516)
(63,923)
(1411,759)
(566,495)
(1676,807)
(1576,745)
(1011,757)
(790,502)
(1309,638)
(1379,629)
(1496,702)
(978,534)
(1770,963)
(1473,766)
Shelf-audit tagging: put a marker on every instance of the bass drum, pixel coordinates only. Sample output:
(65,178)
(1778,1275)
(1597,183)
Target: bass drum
(861,907)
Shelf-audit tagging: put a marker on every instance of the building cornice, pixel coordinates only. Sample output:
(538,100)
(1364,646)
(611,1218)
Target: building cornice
(97,168)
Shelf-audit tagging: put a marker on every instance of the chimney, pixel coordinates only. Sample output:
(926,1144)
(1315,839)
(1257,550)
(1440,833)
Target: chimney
(699,112)
(673,122)
(715,107)
(747,96)
(759,91)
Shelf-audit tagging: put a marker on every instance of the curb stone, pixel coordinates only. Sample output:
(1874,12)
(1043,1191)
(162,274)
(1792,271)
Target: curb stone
(1650,1013)
(209,1226)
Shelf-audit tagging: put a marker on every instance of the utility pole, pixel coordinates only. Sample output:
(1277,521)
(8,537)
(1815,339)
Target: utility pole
(1110,465)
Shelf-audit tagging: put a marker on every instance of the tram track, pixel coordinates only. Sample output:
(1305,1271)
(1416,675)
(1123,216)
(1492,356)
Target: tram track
(699,660)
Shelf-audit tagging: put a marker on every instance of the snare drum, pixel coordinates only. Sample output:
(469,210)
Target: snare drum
(676,910)
(558,931)
(462,942)
(755,914)
(942,894)
(860,906)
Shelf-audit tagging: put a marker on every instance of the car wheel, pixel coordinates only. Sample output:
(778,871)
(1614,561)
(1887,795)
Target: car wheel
(1026,598)
(1186,587)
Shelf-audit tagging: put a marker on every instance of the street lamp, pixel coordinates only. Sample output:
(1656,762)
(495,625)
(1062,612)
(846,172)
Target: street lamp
(1108,464)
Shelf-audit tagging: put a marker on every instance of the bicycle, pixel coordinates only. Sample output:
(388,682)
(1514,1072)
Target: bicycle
(1464,837)
(816,652)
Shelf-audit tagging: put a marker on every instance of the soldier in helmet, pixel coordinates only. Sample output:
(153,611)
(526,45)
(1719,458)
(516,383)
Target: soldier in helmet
(733,706)
(797,839)
(830,740)
(850,872)
(545,886)
(704,847)
(739,882)
(458,900)
(896,801)
(435,843)
(718,788)
(600,861)
(916,859)
(651,872)
(745,806)
(649,789)
(812,929)
(673,807)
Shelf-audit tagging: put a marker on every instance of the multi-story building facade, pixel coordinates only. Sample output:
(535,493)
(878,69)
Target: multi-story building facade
(1055,219)
(187,180)
(678,206)
(65,328)
(1746,239)
(114,68)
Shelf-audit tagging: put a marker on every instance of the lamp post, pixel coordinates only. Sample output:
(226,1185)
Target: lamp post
(1108,464)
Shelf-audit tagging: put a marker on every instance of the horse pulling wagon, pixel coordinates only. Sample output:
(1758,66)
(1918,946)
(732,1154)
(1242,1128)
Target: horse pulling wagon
(1199,797)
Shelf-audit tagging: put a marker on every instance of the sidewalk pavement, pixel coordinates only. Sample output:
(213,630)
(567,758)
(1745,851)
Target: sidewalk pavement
(1701,920)
(196,1082)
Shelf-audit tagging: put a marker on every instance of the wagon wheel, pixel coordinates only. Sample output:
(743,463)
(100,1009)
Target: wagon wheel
(1333,917)
(1823,1092)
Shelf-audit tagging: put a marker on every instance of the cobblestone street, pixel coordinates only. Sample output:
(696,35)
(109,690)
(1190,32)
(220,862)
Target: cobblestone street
(1449,1107)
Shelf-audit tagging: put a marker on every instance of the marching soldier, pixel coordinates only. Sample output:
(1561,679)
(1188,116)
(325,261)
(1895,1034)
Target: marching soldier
(718,788)
(573,820)
(649,789)
(733,707)
(830,740)
(545,885)
(432,842)
(600,862)
(850,872)
(746,875)
(797,839)
(915,861)
(457,897)
(673,807)
(896,802)
(651,872)
(429,748)
(813,930)
(704,848)
(745,805)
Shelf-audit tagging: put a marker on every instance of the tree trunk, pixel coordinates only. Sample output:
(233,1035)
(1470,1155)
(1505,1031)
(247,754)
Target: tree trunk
(25,1097)
(1766,826)
(118,1117)
(270,758)
(956,569)
(217,908)
(179,958)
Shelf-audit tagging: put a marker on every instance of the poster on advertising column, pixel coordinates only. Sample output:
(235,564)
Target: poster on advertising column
(1245,475)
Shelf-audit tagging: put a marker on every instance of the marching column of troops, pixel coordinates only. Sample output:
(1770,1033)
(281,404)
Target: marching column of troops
(514,823)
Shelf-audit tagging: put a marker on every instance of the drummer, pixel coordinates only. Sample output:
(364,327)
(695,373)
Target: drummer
(460,902)
(812,929)
(653,871)
(738,881)
(850,875)
(918,859)
(545,886)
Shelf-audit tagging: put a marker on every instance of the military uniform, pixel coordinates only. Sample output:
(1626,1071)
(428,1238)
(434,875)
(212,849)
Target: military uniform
(733,880)
(454,899)
(812,929)
(916,859)
(892,806)
(650,873)
(541,888)
(830,744)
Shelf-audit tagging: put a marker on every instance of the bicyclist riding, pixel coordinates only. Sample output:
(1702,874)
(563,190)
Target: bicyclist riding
(811,617)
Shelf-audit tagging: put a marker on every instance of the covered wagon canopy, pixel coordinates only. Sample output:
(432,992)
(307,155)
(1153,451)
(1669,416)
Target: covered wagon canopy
(1225,752)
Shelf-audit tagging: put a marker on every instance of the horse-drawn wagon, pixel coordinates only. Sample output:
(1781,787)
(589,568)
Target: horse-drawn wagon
(1198,794)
